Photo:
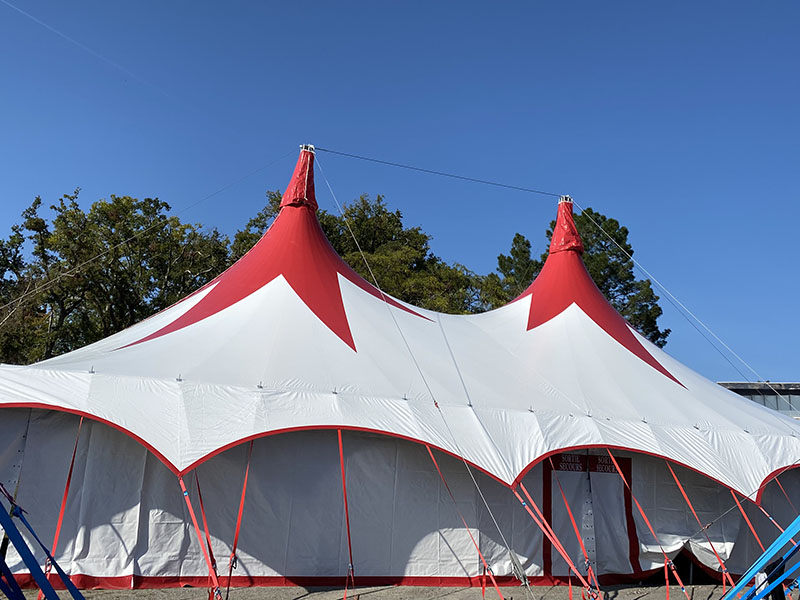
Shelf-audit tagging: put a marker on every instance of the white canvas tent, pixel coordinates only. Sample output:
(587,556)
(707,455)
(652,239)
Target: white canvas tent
(290,344)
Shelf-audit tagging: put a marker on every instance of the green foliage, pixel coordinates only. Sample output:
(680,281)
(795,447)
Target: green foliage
(514,274)
(399,256)
(91,274)
(246,238)
(71,277)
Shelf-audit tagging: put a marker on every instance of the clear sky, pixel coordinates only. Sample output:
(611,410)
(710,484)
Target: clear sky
(678,118)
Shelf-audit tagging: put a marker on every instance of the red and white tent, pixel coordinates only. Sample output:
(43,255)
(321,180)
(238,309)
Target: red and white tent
(291,339)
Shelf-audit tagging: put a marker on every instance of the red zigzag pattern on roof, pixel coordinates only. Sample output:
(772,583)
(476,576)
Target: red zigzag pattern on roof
(296,247)
(564,281)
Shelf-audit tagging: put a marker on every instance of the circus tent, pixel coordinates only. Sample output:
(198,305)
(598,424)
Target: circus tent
(290,349)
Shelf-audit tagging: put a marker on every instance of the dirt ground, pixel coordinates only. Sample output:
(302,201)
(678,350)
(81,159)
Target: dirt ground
(631,592)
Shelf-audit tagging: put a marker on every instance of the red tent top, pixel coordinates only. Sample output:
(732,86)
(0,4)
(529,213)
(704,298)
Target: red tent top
(296,247)
(564,281)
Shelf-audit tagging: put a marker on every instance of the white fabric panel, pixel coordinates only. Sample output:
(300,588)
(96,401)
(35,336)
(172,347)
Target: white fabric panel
(671,518)
(576,490)
(13,434)
(125,514)
(107,532)
(508,395)
(610,523)
(50,439)
(525,537)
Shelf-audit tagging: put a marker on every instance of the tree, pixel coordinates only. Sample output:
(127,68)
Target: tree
(78,276)
(93,273)
(399,257)
(608,265)
(514,274)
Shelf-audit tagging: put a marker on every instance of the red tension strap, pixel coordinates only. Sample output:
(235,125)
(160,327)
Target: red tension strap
(785,495)
(205,522)
(749,524)
(212,572)
(464,521)
(49,566)
(350,570)
(233,558)
(726,577)
(548,531)
(575,528)
(773,521)
(667,560)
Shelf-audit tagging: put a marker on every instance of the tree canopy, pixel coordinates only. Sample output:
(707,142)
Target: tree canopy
(76,276)
(87,274)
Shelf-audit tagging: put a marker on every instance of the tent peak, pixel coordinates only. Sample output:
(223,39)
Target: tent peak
(300,191)
(565,233)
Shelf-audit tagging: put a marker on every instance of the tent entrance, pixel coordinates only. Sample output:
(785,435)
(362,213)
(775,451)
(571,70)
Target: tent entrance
(602,509)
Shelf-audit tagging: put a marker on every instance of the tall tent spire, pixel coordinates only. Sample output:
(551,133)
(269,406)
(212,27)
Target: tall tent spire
(300,191)
(296,248)
(565,233)
(564,281)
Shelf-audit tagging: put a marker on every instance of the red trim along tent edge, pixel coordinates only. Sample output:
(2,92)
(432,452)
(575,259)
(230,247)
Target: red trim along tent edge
(290,332)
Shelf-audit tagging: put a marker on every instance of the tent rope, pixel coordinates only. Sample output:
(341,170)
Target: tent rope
(520,574)
(685,312)
(441,173)
(749,496)
(6,522)
(205,521)
(487,568)
(772,519)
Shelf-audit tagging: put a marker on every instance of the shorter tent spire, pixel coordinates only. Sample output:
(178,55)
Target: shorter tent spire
(564,281)
(565,234)
(300,191)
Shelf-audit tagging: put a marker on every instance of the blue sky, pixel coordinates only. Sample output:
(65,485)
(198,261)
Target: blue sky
(680,119)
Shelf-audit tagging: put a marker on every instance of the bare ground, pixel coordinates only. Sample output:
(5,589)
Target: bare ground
(630,592)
